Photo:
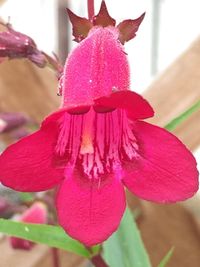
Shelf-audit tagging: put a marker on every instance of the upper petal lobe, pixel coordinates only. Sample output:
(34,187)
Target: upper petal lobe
(134,104)
(165,170)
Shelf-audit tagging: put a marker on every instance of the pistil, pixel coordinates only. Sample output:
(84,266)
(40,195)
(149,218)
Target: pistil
(87,146)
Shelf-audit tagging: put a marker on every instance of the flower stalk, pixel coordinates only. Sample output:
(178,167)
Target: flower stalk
(55,257)
(98,261)
(90,9)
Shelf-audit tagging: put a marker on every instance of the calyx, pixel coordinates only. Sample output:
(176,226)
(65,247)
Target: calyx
(81,26)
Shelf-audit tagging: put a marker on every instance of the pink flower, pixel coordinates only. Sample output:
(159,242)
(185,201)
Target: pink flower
(97,144)
(37,213)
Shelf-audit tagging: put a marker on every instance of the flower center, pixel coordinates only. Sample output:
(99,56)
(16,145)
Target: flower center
(95,143)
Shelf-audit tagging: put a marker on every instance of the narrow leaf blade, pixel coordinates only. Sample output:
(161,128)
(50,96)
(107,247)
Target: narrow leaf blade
(50,235)
(26,197)
(166,259)
(181,118)
(125,247)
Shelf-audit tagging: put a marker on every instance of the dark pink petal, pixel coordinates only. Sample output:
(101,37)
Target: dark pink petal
(27,164)
(37,213)
(103,18)
(128,28)
(90,210)
(19,243)
(165,170)
(81,26)
(135,105)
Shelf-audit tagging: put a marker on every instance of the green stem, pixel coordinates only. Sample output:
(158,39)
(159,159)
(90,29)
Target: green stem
(90,9)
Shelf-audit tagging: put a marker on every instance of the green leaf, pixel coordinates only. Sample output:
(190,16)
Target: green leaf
(125,247)
(178,120)
(166,259)
(53,236)
(26,197)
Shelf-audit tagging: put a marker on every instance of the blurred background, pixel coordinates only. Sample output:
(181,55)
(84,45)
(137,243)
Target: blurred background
(165,67)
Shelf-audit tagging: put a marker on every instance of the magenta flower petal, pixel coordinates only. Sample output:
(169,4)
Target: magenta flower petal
(89,209)
(164,171)
(37,213)
(27,164)
(135,105)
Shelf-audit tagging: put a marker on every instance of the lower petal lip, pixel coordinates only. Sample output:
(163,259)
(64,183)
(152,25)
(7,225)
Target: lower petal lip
(88,212)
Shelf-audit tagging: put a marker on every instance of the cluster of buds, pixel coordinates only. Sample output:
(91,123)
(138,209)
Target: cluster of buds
(14,44)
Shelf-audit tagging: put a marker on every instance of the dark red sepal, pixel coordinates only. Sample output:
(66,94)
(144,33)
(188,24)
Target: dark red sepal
(134,104)
(102,109)
(78,110)
(128,28)
(81,26)
(103,18)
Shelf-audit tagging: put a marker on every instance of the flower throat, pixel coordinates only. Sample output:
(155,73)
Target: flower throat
(98,142)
